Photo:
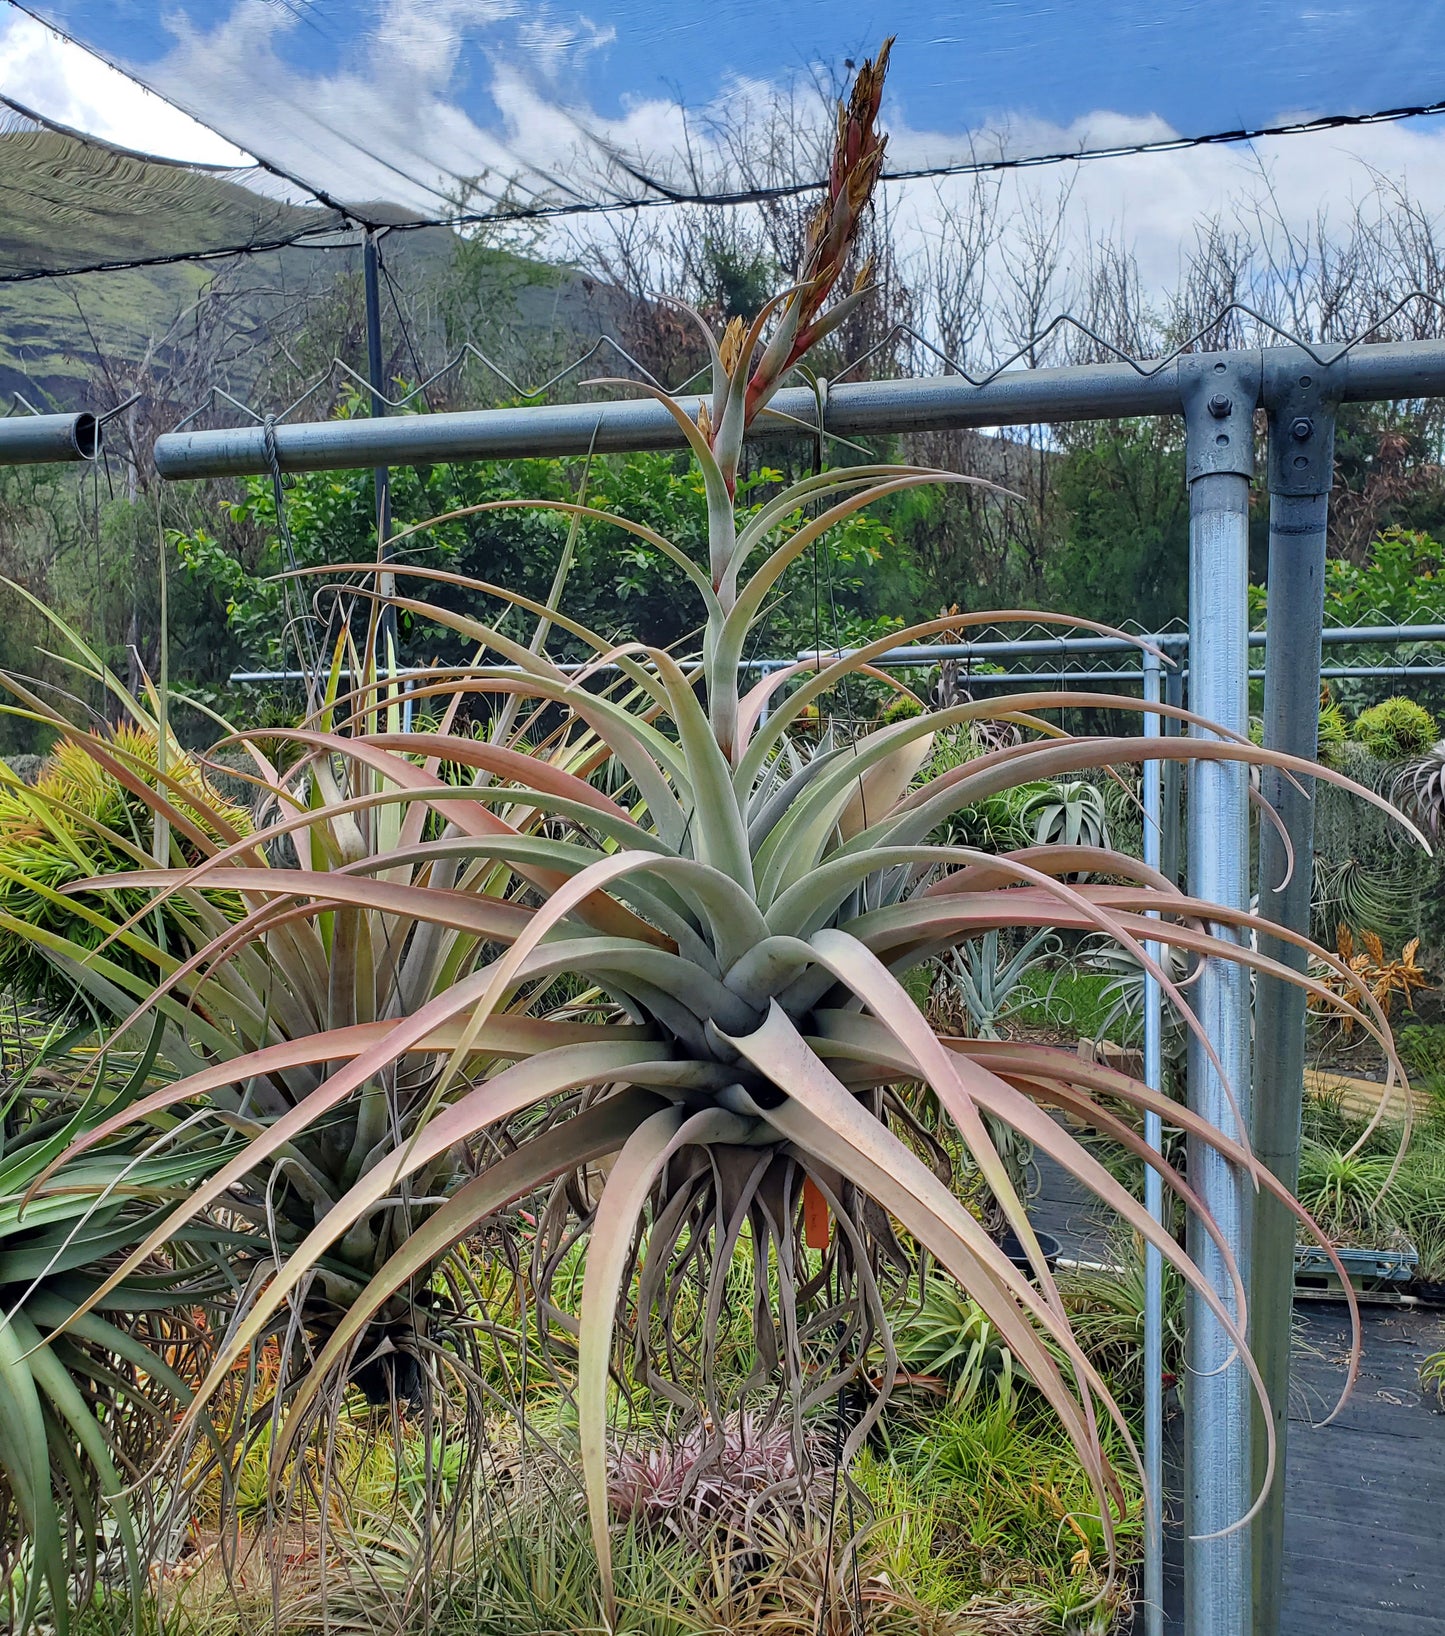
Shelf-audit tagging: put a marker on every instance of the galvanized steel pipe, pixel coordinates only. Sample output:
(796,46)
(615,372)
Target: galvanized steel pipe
(1153,1586)
(36,440)
(1017,397)
(1220,393)
(1301,413)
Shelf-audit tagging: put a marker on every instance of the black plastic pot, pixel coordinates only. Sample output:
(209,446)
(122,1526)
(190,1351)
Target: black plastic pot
(1008,1242)
(1429,1289)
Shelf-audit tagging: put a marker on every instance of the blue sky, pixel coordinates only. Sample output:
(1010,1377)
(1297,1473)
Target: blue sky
(1198,65)
(394,100)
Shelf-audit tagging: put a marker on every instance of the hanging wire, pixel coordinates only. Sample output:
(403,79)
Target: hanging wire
(660,195)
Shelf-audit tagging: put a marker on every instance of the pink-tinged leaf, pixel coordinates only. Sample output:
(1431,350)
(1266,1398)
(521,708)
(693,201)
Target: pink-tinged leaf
(1061,1077)
(1070,906)
(833,667)
(529,772)
(585,1138)
(880,787)
(866,976)
(972,781)
(1052,860)
(824,1120)
(493,918)
(525,1085)
(474,999)
(997,1096)
(961,1092)
(475,819)
(609,1254)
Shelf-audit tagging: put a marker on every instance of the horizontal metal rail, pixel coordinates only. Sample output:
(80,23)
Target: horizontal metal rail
(1000,678)
(1018,397)
(1039,646)
(932,653)
(35,440)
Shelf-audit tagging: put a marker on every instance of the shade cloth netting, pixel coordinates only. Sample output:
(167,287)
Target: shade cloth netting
(445,110)
(70,203)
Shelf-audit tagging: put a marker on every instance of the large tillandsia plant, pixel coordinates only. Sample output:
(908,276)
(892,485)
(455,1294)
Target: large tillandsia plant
(735,1071)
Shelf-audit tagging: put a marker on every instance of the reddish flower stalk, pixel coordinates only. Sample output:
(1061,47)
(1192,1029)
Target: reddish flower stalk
(857,163)
(801,321)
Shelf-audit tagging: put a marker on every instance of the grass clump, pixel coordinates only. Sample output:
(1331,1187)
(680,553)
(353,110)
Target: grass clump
(982,1504)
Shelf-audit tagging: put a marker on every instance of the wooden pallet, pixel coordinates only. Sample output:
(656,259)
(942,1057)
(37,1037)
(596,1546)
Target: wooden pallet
(1361,1097)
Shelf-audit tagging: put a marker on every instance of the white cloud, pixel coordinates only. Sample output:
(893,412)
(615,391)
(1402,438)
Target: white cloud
(64,82)
(388,124)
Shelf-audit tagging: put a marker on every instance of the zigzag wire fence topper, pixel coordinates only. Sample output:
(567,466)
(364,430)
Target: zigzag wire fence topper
(339,369)
(1322,353)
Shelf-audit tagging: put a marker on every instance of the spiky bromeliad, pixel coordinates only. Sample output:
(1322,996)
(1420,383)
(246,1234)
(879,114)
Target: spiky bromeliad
(749,913)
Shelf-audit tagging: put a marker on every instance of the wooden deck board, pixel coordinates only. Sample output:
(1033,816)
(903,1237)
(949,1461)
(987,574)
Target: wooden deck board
(1364,1495)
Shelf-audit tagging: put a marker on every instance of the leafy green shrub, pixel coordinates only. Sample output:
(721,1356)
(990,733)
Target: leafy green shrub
(91,812)
(1422,1049)
(1396,729)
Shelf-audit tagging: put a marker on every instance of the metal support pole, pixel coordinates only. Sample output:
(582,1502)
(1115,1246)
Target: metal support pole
(1300,401)
(1170,861)
(1015,397)
(371,269)
(1153,1586)
(1219,392)
(36,440)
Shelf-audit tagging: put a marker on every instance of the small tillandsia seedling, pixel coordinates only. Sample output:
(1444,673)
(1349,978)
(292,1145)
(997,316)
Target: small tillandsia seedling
(383,1023)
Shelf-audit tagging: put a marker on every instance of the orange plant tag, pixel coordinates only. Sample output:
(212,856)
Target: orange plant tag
(817,1229)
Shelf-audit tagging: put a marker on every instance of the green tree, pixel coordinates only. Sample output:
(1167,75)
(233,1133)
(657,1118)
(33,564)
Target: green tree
(1123,551)
(1399,580)
(854,585)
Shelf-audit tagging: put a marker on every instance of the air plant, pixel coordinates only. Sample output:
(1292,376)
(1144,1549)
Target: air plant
(1419,789)
(978,986)
(1396,729)
(737,1059)
(1122,996)
(948,1337)
(1070,813)
(78,818)
(716,1477)
(1347,1191)
(1370,967)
